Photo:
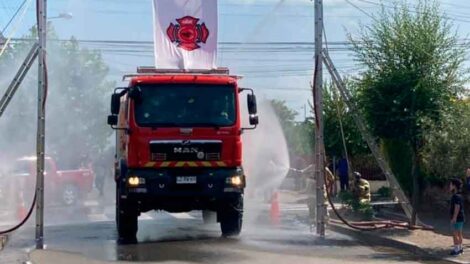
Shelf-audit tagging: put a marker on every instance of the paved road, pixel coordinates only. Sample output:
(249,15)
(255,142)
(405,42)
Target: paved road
(182,238)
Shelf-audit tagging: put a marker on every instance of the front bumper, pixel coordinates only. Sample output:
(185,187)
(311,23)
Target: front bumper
(209,182)
(160,190)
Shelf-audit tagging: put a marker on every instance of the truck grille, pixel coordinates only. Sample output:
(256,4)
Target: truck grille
(212,156)
(158,157)
(185,150)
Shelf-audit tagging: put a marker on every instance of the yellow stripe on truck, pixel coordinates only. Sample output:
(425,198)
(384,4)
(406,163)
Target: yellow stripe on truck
(165,164)
(180,163)
(149,164)
(192,164)
(206,164)
(221,164)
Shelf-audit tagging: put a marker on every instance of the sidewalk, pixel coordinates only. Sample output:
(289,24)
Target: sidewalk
(419,242)
(436,243)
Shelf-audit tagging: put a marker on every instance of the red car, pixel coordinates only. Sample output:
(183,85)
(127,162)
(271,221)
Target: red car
(63,187)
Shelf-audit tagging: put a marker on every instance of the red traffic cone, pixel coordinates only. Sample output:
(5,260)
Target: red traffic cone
(275,210)
(21,208)
(21,211)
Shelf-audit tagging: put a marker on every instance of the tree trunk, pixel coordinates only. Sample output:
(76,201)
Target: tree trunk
(416,189)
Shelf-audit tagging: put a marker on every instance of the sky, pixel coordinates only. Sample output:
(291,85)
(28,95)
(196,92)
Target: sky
(275,71)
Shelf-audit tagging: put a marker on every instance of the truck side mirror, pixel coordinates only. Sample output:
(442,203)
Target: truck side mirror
(112,120)
(115,103)
(252,106)
(252,109)
(136,94)
(254,120)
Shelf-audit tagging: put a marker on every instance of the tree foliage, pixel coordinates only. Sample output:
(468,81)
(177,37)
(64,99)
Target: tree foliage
(299,135)
(76,103)
(336,113)
(446,153)
(413,70)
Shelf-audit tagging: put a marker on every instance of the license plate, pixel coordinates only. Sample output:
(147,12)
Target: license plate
(186,180)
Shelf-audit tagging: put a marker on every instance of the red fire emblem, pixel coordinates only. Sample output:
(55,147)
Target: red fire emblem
(188,33)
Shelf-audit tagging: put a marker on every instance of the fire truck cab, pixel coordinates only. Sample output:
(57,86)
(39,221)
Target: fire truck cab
(178,146)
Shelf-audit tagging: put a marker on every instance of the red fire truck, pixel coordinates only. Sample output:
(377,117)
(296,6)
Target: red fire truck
(178,146)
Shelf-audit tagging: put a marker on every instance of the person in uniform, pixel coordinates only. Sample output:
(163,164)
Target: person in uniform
(361,188)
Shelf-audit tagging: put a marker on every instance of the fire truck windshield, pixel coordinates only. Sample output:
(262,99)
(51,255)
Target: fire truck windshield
(186,105)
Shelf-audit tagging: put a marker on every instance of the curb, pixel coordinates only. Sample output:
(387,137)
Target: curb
(370,238)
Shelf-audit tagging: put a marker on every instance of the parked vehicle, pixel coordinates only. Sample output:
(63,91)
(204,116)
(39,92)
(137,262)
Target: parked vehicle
(61,186)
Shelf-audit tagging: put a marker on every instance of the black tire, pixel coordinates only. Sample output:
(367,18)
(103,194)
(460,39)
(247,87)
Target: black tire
(231,216)
(126,220)
(209,217)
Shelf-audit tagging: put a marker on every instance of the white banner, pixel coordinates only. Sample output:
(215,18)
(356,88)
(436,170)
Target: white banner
(185,34)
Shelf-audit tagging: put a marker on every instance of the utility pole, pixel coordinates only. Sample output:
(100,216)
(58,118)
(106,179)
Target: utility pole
(318,103)
(41,121)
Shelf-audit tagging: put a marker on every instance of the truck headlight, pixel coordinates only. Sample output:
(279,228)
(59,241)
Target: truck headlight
(135,181)
(236,180)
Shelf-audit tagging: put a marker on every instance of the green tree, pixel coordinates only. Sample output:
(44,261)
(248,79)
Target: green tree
(413,68)
(299,135)
(446,153)
(336,113)
(77,103)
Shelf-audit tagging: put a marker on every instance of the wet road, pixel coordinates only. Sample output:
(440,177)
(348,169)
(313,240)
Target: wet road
(182,238)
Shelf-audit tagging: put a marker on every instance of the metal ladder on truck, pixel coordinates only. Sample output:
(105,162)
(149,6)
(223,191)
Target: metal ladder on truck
(347,97)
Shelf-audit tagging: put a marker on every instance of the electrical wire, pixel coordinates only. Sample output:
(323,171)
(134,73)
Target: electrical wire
(415,11)
(15,28)
(14,15)
(362,10)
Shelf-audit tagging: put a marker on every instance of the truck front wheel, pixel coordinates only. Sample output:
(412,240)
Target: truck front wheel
(231,216)
(126,221)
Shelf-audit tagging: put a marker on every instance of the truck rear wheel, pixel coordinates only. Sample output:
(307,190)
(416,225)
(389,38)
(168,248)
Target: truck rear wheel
(231,217)
(126,220)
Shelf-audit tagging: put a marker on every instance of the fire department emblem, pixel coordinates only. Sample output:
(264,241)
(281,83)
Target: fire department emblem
(188,33)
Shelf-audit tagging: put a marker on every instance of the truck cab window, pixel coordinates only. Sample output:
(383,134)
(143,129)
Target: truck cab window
(186,105)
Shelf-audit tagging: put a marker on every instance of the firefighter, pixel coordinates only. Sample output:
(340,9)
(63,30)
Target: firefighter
(361,188)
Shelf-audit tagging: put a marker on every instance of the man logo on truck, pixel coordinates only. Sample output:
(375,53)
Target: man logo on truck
(185,150)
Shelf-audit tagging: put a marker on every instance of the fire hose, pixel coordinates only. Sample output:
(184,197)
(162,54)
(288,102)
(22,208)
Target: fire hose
(360,225)
(30,211)
(366,225)
(3,232)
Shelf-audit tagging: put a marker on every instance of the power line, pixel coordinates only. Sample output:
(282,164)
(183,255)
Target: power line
(14,15)
(360,9)
(414,10)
